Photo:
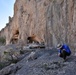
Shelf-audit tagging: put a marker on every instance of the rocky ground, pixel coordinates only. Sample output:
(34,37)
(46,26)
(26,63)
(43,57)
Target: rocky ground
(40,61)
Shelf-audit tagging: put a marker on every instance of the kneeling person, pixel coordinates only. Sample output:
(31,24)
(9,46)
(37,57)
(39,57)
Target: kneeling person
(63,51)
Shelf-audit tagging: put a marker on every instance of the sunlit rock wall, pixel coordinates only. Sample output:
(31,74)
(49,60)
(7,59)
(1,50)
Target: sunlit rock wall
(54,21)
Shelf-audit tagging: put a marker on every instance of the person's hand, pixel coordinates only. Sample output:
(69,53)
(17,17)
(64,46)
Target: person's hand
(58,54)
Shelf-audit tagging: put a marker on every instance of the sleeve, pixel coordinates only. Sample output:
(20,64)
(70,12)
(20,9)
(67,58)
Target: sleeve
(59,51)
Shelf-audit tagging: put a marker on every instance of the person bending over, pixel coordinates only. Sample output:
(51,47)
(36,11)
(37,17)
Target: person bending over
(63,51)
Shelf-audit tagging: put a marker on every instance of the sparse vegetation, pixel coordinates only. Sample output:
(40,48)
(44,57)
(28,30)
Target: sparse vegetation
(2,40)
(11,56)
(3,64)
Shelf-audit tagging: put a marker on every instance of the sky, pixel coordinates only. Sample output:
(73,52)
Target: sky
(6,10)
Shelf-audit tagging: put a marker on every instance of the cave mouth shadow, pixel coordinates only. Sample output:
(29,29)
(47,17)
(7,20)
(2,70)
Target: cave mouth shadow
(15,37)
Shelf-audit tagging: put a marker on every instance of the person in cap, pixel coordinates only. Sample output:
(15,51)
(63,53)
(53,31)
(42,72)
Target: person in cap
(63,51)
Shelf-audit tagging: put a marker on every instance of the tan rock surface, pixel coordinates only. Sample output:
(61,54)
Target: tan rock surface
(53,21)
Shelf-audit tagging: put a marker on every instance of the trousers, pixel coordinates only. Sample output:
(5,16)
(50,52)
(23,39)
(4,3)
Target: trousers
(64,54)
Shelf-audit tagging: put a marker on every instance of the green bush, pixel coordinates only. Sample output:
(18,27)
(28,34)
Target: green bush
(2,40)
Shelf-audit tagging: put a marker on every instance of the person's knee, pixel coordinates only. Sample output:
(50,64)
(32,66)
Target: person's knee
(64,51)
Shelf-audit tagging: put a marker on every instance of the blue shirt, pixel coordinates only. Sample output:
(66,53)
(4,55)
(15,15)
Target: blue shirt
(67,49)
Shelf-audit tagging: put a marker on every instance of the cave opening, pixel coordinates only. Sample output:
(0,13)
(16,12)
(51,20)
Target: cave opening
(15,37)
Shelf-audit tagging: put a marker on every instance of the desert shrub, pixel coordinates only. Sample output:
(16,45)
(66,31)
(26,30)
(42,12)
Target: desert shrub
(2,40)
(3,64)
(10,56)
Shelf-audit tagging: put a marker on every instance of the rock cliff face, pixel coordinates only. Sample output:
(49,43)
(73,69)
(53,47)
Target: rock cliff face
(53,21)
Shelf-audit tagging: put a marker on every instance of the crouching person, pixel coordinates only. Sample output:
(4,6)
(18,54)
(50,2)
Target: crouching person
(63,51)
